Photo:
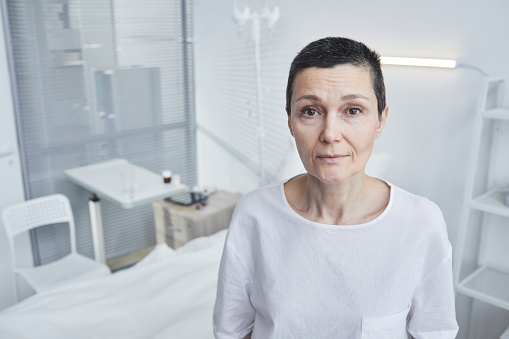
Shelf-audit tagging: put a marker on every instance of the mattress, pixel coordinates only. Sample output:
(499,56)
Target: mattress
(169,294)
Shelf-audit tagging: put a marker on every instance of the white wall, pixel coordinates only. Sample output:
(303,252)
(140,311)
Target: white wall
(431,111)
(11,185)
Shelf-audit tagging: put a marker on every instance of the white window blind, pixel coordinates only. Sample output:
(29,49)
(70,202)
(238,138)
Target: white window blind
(98,79)
(227,107)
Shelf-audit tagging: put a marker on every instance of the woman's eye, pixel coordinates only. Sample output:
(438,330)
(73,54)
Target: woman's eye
(309,112)
(354,111)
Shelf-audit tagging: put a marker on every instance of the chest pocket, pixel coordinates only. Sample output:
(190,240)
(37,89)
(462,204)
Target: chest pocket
(387,327)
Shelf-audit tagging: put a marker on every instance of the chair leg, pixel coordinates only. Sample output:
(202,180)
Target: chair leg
(15,285)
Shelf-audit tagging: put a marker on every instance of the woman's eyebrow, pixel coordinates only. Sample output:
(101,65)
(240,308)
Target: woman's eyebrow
(353,96)
(345,97)
(308,97)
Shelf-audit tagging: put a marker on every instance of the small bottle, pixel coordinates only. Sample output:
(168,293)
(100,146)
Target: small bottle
(176,180)
(166,176)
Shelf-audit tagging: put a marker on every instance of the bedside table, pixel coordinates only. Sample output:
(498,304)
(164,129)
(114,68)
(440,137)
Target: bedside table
(177,224)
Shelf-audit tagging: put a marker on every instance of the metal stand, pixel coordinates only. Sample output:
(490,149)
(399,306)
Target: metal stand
(270,17)
(94,206)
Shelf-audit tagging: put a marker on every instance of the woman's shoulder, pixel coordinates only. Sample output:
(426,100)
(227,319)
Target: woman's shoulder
(260,197)
(251,213)
(424,215)
(415,203)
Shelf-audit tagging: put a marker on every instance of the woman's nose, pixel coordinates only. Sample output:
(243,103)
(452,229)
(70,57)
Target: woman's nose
(332,130)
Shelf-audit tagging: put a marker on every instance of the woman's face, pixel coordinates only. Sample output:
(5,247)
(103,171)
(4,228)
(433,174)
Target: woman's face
(334,120)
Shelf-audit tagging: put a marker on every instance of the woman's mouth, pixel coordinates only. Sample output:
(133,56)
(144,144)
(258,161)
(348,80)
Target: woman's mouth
(331,158)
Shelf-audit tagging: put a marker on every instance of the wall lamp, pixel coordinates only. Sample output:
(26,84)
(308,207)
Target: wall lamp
(418,62)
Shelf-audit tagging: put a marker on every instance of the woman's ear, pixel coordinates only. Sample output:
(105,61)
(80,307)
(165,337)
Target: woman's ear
(289,121)
(381,122)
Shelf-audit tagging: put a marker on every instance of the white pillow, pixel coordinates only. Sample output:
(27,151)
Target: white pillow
(378,164)
(292,165)
(159,253)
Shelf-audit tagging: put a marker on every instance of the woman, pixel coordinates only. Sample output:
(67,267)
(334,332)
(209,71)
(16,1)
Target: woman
(334,253)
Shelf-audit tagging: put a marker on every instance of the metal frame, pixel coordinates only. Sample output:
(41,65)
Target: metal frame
(189,126)
(189,88)
(473,201)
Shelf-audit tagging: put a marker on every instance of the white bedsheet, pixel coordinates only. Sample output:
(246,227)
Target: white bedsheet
(169,294)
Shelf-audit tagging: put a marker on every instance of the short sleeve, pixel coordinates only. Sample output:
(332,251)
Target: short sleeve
(432,314)
(233,313)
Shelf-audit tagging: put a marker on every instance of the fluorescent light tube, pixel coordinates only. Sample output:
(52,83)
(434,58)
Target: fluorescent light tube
(418,62)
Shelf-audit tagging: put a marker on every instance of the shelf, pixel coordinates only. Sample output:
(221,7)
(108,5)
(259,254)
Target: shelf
(505,335)
(498,113)
(491,202)
(489,285)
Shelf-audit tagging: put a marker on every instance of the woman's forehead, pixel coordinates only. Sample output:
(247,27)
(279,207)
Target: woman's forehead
(343,81)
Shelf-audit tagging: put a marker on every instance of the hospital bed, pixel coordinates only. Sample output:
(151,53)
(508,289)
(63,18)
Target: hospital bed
(169,294)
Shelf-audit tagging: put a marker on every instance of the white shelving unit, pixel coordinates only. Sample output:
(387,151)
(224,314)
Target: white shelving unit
(487,283)
(491,202)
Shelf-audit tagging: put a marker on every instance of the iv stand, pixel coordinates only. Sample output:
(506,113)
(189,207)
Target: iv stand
(270,17)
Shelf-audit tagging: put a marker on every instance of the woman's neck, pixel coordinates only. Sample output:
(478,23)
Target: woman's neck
(353,201)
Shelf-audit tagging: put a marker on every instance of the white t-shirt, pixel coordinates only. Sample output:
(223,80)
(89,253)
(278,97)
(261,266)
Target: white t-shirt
(283,276)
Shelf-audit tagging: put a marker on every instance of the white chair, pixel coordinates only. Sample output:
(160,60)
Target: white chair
(38,212)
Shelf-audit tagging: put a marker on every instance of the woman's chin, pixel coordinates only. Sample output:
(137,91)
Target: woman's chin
(335,177)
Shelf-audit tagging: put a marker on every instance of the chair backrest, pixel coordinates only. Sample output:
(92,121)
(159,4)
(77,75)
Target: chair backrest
(30,214)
